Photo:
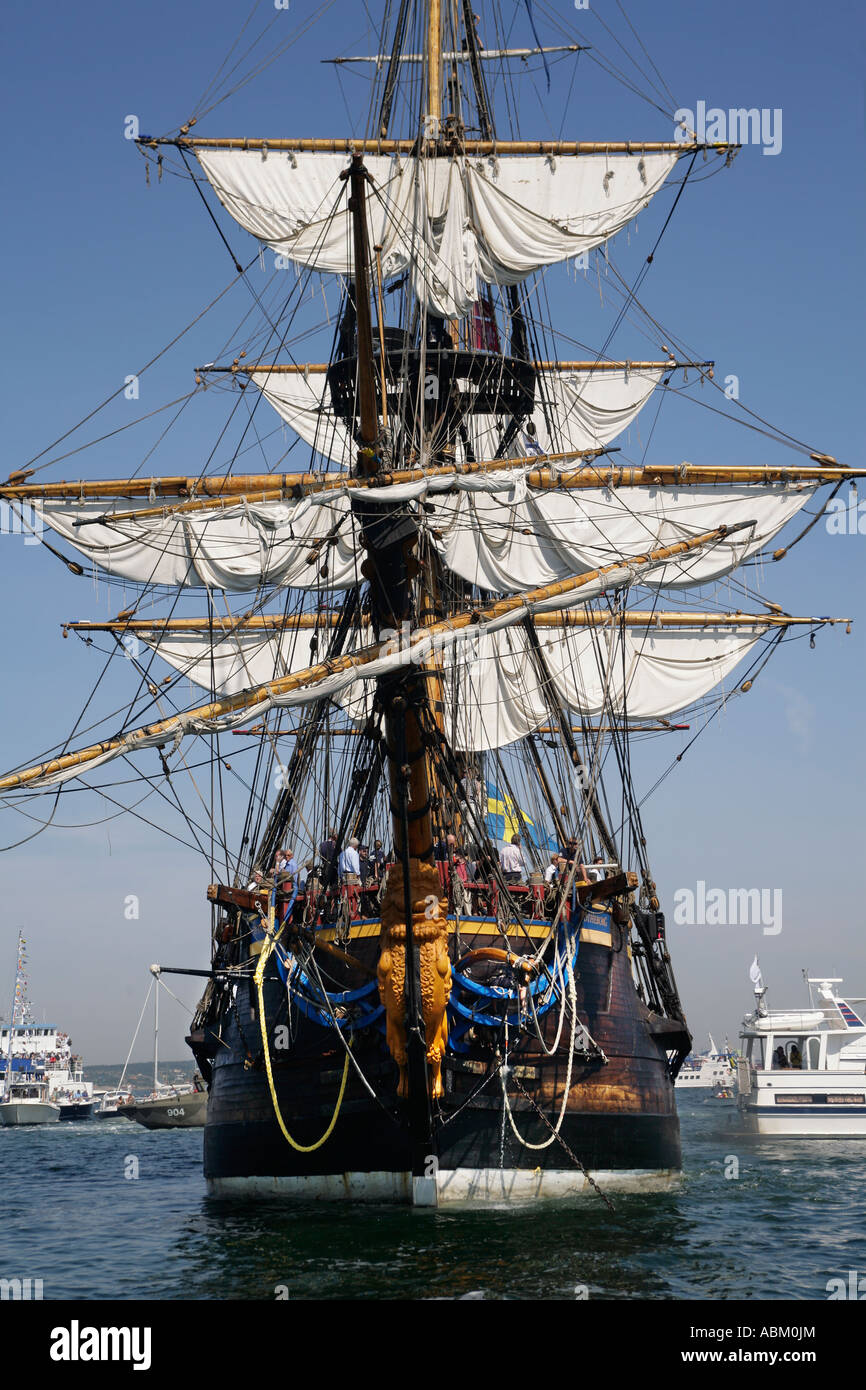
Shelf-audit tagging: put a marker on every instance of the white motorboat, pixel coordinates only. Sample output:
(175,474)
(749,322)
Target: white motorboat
(707,1071)
(111,1105)
(803,1073)
(48,1049)
(25,1102)
(27,1047)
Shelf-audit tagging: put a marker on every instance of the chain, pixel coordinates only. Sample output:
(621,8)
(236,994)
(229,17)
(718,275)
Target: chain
(572,1155)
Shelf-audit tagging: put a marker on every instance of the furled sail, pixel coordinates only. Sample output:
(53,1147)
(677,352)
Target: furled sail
(447,220)
(240,659)
(328,679)
(509,540)
(574,410)
(493,694)
(492,529)
(236,548)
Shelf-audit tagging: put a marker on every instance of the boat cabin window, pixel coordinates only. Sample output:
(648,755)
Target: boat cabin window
(755,1052)
(787,1054)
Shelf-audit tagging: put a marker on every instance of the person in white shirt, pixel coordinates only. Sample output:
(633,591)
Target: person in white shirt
(554,868)
(350,860)
(286,863)
(594,872)
(511,859)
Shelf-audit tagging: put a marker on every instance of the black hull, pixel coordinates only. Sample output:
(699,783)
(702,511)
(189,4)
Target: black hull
(77,1111)
(620,1120)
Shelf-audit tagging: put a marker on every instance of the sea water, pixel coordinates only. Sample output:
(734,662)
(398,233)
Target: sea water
(107,1209)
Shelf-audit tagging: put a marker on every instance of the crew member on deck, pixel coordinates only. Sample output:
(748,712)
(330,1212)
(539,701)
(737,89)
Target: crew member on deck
(554,869)
(594,872)
(285,865)
(444,849)
(445,853)
(366,868)
(511,859)
(350,861)
(327,850)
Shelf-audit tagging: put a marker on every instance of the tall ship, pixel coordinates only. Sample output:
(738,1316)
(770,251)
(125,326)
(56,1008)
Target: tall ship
(438,968)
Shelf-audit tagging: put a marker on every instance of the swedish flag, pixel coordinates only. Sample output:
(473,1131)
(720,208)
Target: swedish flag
(505,819)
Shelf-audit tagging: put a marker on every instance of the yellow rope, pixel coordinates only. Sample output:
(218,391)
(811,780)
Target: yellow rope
(267,948)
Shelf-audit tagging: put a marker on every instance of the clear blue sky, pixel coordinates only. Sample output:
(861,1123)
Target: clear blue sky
(761,269)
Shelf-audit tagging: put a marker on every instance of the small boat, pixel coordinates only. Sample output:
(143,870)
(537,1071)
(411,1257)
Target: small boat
(112,1105)
(707,1070)
(25,1102)
(74,1108)
(168,1107)
(803,1073)
(29,1048)
(174,1109)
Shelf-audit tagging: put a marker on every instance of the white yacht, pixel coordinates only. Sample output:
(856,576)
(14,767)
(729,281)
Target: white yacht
(49,1049)
(803,1073)
(708,1071)
(110,1105)
(25,1101)
(43,1053)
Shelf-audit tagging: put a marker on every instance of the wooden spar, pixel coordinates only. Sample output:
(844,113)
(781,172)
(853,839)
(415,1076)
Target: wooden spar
(350,145)
(625,727)
(228,489)
(490,55)
(313,675)
(605,365)
(263,622)
(250,485)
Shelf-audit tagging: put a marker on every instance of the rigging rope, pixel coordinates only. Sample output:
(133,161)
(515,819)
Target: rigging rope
(270,942)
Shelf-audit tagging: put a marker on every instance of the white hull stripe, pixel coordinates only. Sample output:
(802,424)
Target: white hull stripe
(464,1185)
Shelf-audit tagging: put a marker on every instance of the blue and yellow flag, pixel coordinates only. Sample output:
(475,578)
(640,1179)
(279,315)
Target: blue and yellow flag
(505,819)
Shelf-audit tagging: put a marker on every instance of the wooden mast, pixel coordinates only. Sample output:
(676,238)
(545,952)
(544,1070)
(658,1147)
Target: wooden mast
(389,569)
(369,429)
(434,68)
